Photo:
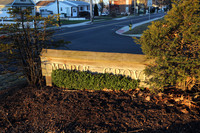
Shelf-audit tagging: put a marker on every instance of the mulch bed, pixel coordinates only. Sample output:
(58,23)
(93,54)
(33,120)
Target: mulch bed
(56,110)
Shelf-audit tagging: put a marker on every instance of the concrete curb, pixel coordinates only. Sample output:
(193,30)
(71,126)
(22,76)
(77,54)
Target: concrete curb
(132,35)
(124,29)
(68,26)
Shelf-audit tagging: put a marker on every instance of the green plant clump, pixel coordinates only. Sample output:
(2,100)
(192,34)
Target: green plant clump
(72,79)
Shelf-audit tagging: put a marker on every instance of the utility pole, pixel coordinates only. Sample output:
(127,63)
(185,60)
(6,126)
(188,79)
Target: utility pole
(58,12)
(91,11)
(149,13)
(134,7)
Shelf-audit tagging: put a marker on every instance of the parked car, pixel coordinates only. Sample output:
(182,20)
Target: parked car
(105,14)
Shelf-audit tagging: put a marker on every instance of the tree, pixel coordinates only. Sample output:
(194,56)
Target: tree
(174,44)
(26,39)
(96,10)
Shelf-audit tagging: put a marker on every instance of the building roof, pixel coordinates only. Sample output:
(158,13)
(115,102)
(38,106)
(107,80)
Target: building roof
(10,2)
(79,3)
(75,3)
(23,4)
(44,3)
(68,3)
(6,2)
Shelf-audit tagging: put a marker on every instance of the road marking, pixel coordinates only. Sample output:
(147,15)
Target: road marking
(96,27)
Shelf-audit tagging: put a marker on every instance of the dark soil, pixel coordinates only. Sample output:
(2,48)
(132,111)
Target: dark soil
(55,110)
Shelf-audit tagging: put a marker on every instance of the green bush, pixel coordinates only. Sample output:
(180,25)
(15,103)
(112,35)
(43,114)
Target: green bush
(174,44)
(73,79)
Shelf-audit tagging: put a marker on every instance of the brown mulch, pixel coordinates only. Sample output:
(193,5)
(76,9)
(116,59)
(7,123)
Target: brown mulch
(56,110)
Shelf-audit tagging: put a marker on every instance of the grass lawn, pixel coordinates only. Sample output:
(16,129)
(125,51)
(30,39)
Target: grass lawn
(97,19)
(100,18)
(72,21)
(139,29)
(103,17)
(66,22)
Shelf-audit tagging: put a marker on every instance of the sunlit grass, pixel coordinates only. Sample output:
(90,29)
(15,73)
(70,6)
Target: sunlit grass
(140,29)
(72,21)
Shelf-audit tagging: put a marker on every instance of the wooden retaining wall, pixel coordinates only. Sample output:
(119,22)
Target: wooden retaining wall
(131,65)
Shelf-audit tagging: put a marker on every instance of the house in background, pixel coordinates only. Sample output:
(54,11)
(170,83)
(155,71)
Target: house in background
(21,4)
(121,6)
(66,8)
(41,4)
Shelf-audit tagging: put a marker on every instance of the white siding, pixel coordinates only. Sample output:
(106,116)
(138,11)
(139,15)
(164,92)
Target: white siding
(3,12)
(66,9)
(53,7)
(84,8)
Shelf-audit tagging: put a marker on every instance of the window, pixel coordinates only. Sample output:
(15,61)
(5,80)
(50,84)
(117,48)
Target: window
(61,9)
(81,8)
(22,0)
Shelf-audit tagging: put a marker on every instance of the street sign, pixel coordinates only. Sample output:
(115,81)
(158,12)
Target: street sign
(149,3)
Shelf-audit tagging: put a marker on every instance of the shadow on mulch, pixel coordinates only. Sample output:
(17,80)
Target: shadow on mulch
(190,127)
(55,110)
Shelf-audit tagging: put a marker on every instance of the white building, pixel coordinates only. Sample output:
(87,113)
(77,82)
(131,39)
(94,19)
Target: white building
(66,8)
(21,4)
(41,4)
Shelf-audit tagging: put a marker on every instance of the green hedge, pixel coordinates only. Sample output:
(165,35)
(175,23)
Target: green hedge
(73,79)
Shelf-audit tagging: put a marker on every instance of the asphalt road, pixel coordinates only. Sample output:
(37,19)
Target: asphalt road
(101,36)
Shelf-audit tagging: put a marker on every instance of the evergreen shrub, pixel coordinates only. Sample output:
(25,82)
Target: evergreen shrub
(73,79)
(174,44)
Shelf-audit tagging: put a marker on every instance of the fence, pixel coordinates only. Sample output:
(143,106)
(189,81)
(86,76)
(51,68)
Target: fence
(30,24)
